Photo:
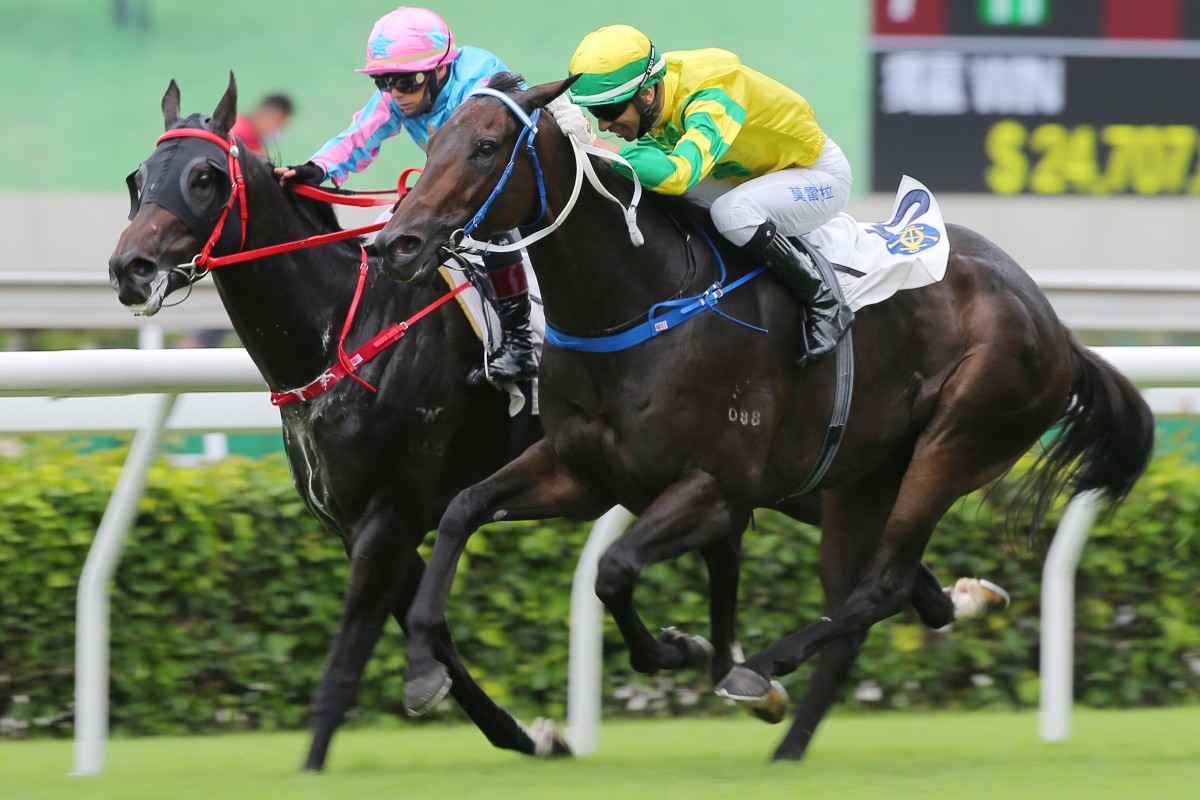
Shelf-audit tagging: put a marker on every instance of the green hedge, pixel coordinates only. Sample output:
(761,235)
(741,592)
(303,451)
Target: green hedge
(228,593)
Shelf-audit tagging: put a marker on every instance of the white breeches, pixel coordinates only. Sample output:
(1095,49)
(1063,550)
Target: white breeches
(796,200)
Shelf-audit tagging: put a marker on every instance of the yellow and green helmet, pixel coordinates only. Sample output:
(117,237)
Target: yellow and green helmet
(613,64)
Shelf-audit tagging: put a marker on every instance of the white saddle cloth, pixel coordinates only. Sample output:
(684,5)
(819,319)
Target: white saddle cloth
(908,251)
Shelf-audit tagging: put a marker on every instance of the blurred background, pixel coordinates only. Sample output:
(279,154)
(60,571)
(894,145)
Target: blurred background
(1067,131)
(1058,128)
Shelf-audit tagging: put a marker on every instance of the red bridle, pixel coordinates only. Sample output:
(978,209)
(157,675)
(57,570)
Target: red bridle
(208,262)
(347,363)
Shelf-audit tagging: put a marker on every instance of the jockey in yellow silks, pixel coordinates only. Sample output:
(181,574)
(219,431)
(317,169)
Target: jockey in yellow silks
(701,122)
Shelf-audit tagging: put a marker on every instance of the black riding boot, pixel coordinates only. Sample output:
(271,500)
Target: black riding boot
(514,360)
(827,318)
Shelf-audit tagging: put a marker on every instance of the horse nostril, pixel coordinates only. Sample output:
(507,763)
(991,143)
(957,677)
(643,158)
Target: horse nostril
(141,267)
(405,245)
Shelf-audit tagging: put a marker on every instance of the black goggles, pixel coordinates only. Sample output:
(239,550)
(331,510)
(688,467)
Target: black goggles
(404,82)
(609,111)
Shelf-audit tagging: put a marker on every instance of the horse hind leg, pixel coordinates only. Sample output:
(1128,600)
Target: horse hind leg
(852,521)
(967,598)
(990,411)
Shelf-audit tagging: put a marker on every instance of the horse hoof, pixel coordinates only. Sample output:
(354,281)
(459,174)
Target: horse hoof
(548,740)
(973,597)
(744,685)
(772,709)
(423,693)
(697,649)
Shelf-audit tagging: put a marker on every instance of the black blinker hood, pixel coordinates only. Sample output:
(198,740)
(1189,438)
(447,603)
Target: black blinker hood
(165,182)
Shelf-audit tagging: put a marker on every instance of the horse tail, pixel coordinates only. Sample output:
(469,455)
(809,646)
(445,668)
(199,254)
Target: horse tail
(1105,439)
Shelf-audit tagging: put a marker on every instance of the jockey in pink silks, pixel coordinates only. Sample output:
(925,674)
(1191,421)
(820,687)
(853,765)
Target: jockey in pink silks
(421,76)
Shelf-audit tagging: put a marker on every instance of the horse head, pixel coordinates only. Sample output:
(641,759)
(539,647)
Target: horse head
(178,197)
(466,161)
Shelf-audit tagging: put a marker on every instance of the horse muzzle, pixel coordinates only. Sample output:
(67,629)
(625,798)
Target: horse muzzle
(407,258)
(140,284)
(158,290)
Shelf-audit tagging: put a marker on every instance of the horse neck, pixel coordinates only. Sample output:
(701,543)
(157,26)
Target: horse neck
(590,275)
(287,309)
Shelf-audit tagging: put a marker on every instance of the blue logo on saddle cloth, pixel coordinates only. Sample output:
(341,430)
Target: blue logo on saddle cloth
(913,239)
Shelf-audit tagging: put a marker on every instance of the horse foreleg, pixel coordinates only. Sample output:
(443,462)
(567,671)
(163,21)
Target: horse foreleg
(370,592)
(534,486)
(690,515)
(723,561)
(501,728)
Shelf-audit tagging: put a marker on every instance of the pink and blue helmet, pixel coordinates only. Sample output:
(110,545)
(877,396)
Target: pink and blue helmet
(409,40)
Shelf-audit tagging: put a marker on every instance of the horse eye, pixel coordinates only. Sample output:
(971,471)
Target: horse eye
(486,148)
(204,180)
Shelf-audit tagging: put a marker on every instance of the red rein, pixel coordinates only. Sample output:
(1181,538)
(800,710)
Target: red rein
(347,364)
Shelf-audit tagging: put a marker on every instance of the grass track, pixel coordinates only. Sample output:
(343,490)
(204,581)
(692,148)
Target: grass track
(1149,755)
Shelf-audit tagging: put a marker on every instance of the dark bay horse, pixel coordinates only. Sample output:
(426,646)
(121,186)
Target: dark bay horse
(697,427)
(378,469)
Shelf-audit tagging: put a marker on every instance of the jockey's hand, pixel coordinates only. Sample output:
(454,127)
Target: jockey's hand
(570,120)
(308,173)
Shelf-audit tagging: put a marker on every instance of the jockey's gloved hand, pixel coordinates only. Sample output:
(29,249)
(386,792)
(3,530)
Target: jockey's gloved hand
(308,173)
(571,120)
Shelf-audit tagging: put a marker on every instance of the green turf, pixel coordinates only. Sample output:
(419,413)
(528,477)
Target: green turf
(80,97)
(984,755)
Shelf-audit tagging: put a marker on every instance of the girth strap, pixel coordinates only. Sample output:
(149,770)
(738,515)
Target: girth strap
(844,389)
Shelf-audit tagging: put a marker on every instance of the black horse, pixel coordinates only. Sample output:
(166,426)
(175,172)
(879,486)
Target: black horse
(378,469)
(955,382)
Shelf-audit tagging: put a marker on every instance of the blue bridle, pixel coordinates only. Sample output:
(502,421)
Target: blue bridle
(525,140)
(662,316)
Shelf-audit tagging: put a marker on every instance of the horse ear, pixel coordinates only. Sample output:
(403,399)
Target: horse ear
(170,105)
(543,93)
(226,112)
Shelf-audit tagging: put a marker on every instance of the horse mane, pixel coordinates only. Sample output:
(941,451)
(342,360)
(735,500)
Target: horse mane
(507,82)
(322,217)
(317,213)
